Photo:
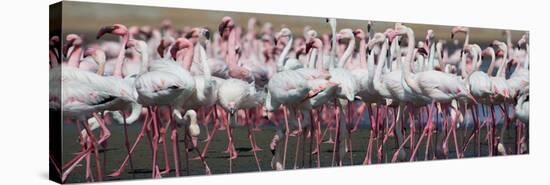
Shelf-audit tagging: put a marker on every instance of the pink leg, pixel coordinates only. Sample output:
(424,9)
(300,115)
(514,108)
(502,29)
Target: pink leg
(106,135)
(146,122)
(396,153)
(287,132)
(427,131)
(155,141)
(255,147)
(492,127)
(230,144)
(371,135)
(475,131)
(175,145)
(252,143)
(163,131)
(89,174)
(206,168)
(214,129)
(80,156)
(127,142)
(388,132)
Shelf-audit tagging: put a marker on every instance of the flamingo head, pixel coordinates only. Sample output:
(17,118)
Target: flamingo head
(133,30)
(459,29)
(97,54)
(226,26)
(165,43)
(198,34)
(115,29)
(422,49)
(314,43)
(139,45)
(146,30)
(331,22)
(252,22)
(232,108)
(377,39)
(390,34)
(311,40)
(72,41)
(501,47)
(430,37)
(283,37)
(267,28)
(310,35)
(489,51)
(400,28)
(524,40)
(360,34)
(166,24)
(180,44)
(54,41)
(345,34)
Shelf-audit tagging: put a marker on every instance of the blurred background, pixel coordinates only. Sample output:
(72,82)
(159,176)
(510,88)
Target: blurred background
(86,18)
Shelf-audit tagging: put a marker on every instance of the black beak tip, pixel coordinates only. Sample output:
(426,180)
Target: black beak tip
(207,35)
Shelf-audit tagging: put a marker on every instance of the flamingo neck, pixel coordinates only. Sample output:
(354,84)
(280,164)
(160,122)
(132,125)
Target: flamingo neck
(282,57)
(491,65)
(53,59)
(120,58)
(463,71)
(502,68)
(312,58)
(466,39)
(231,57)
(406,66)
(144,61)
(332,55)
(347,53)
(377,83)
(185,58)
(362,52)
(431,56)
(478,61)
(74,58)
(201,52)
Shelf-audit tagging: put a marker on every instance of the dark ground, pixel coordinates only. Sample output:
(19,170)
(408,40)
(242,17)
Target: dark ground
(218,160)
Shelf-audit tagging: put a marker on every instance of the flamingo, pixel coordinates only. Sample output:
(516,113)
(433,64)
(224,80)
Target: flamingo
(164,84)
(235,94)
(105,94)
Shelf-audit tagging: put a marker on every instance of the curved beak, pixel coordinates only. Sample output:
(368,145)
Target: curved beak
(174,51)
(160,49)
(206,34)
(104,30)
(66,47)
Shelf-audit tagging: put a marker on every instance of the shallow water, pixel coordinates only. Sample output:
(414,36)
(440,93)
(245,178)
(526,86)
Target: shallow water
(218,160)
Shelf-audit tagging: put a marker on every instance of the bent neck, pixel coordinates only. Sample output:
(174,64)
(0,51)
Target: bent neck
(347,53)
(120,58)
(282,57)
(74,58)
(185,58)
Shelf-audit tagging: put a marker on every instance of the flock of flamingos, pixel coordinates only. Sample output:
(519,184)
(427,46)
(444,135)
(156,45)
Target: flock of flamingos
(419,93)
